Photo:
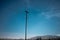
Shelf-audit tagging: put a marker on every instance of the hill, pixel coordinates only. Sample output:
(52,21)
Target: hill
(46,37)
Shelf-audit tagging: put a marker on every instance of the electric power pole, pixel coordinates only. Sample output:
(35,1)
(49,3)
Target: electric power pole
(26,24)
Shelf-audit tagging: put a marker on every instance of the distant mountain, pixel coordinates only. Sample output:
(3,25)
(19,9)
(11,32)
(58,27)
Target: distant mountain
(45,37)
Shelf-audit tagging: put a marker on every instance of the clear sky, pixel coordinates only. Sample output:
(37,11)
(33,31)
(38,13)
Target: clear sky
(43,18)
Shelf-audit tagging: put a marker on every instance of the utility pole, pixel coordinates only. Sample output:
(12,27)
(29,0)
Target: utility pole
(26,18)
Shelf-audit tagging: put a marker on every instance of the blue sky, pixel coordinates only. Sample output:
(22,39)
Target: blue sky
(43,18)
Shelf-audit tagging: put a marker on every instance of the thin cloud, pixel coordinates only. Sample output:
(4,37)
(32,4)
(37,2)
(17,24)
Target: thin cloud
(53,12)
(11,35)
